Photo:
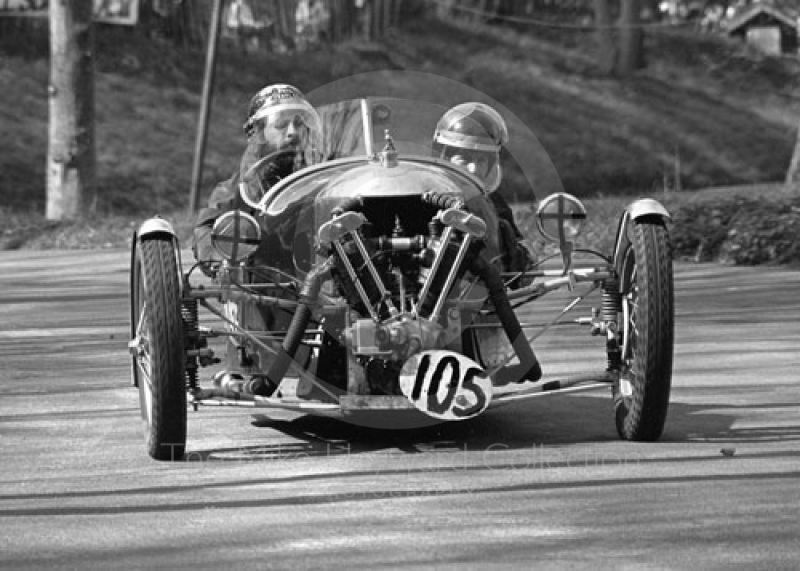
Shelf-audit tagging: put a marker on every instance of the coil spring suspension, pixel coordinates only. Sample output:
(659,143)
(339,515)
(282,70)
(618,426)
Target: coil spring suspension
(191,333)
(610,309)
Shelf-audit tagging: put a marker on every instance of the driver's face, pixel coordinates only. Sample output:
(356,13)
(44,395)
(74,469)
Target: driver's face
(285,132)
(478,163)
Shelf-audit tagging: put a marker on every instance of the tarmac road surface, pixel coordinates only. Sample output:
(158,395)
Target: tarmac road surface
(544,483)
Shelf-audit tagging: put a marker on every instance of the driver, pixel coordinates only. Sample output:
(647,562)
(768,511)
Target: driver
(471,136)
(282,124)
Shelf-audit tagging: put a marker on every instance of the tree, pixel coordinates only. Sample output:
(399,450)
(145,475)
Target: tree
(71,148)
(621,46)
(631,38)
(604,36)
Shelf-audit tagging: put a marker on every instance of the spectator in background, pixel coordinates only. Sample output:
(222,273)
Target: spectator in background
(242,25)
(311,23)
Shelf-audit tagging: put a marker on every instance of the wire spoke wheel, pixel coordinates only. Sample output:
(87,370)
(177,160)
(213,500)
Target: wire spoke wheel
(159,358)
(641,397)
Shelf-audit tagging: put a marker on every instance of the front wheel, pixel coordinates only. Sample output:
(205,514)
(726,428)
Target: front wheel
(641,397)
(159,359)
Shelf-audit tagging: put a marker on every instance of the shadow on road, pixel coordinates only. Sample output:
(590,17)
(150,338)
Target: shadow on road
(554,422)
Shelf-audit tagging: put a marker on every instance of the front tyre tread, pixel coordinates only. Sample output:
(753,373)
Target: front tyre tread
(165,421)
(641,415)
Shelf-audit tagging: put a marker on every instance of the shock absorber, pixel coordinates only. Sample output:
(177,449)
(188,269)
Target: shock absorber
(610,309)
(189,316)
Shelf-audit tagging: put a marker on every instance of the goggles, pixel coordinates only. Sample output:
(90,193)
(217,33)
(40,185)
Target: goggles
(476,162)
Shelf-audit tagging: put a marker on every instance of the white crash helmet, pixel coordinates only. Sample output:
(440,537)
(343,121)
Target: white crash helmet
(471,135)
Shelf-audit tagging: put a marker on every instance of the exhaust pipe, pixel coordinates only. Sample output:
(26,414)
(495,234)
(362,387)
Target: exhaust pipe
(266,385)
(529,368)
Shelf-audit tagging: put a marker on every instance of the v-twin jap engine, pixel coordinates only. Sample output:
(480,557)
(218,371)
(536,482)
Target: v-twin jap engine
(400,264)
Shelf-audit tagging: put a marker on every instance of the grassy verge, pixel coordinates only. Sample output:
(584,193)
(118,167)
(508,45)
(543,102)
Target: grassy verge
(745,225)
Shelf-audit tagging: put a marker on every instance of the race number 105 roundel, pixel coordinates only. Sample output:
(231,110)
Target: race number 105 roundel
(446,385)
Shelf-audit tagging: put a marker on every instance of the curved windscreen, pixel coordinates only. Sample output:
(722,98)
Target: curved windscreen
(361,126)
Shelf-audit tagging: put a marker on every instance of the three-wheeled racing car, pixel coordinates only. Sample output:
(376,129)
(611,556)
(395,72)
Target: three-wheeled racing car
(372,287)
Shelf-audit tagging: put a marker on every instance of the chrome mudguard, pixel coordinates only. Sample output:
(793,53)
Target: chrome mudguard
(642,208)
(157,226)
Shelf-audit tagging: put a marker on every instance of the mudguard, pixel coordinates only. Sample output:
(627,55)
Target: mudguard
(153,227)
(156,225)
(643,208)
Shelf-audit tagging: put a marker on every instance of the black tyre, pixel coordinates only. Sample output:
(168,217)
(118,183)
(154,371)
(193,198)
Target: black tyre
(159,357)
(641,397)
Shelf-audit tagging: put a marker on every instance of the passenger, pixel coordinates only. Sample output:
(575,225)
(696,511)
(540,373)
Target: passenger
(471,135)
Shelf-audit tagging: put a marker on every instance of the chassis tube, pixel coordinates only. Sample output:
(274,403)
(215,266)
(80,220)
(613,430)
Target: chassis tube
(574,277)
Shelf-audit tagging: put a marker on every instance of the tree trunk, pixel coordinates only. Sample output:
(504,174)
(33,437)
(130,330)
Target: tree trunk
(793,174)
(377,19)
(631,39)
(604,37)
(71,150)
(369,24)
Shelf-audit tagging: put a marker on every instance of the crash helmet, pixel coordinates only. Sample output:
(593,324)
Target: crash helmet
(279,117)
(471,136)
